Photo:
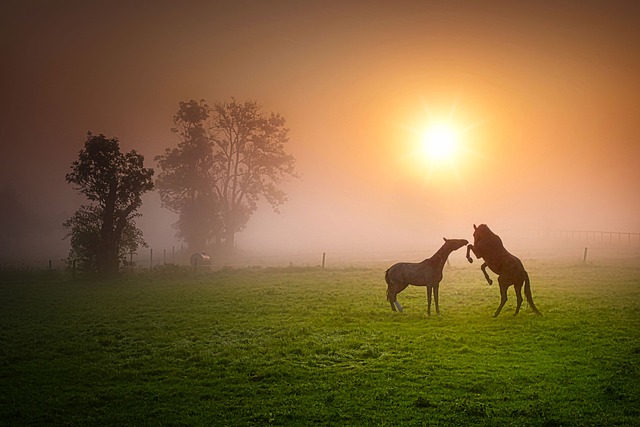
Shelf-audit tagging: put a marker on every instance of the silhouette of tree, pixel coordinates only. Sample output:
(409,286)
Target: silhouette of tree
(184,182)
(229,156)
(85,232)
(114,182)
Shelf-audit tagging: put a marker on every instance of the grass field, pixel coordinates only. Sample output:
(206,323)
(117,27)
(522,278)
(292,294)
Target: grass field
(312,346)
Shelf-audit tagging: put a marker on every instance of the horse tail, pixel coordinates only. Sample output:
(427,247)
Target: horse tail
(389,286)
(527,292)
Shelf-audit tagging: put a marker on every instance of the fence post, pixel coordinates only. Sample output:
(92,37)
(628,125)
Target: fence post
(151,259)
(324,255)
(584,258)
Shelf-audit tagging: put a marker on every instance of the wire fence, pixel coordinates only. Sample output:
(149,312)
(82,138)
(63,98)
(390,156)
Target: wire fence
(572,245)
(629,239)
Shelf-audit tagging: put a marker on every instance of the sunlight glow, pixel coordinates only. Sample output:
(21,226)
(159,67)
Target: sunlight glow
(440,141)
(440,148)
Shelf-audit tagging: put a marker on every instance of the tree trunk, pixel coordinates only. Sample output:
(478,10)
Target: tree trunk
(104,257)
(107,258)
(108,262)
(229,241)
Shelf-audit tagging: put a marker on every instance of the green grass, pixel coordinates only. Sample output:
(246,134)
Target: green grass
(311,346)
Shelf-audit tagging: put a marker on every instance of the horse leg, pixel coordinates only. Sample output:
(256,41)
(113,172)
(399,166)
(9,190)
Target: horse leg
(429,289)
(392,294)
(518,288)
(503,298)
(435,297)
(469,249)
(395,304)
(483,267)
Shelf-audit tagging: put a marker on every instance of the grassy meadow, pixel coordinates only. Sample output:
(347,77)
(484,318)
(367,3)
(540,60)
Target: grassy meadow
(302,346)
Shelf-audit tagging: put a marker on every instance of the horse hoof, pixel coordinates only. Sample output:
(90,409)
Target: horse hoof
(470,260)
(490,282)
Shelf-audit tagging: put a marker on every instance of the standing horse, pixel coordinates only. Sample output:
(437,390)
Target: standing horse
(426,273)
(508,267)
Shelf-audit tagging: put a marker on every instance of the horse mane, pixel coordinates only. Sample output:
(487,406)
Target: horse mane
(483,233)
(441,255)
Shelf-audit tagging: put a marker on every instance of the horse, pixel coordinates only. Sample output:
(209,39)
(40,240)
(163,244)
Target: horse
(426,273)
(508,267)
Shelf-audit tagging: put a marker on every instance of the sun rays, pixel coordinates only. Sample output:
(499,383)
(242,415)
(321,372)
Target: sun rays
(440,145)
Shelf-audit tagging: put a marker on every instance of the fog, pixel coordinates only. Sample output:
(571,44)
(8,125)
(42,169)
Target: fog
(547,96)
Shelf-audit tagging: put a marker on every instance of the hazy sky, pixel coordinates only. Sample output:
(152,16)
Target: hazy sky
(547,94)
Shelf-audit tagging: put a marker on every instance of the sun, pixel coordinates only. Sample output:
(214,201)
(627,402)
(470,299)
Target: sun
(439,141)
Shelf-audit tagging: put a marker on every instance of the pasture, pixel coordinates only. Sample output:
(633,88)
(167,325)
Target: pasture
(301,346)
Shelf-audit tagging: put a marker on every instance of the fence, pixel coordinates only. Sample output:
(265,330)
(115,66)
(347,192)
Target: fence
(581,249)
(582,245)
(586,236)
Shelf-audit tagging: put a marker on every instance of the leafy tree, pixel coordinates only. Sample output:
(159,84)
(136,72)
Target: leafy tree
(229,156)
(102,232)
(85,227)
(184,182)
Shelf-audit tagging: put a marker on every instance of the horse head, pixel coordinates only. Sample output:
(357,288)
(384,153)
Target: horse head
(455,244)
(481,231)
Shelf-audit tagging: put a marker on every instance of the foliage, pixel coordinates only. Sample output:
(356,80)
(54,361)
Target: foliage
(102,232)
(312,346)
(227,158)
(184,182)
(85,226)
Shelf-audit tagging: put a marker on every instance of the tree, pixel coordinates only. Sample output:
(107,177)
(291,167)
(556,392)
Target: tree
(114,182)
(249,162)
(230,155)
(184,182)
(85,226)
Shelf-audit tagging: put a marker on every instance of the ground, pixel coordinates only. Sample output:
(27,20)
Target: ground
(302,346)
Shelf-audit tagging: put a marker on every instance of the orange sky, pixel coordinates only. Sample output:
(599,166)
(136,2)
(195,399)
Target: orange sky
(550,88)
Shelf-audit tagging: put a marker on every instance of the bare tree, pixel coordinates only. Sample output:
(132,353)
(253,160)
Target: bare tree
(249,162)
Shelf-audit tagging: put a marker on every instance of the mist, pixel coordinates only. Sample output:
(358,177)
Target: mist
(546,95)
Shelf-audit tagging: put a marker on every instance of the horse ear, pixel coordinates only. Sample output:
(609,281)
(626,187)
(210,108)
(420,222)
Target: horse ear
(474,226)
(445,239)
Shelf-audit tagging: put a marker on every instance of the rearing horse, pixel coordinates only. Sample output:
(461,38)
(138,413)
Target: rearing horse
(426,273)
(508,267)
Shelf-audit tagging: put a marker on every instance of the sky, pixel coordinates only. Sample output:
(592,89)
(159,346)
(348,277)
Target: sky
(544,96)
